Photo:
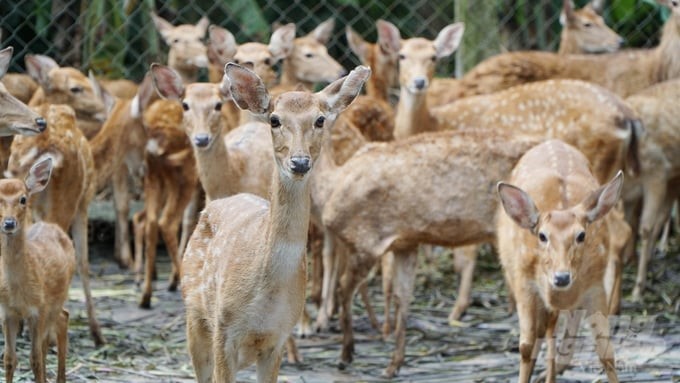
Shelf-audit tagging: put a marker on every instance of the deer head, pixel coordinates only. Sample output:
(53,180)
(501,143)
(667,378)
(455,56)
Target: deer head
(16,117)
(187,50)
(15,194)
(587,29)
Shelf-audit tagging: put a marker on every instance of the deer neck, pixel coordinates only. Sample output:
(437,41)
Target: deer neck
(189,74)
(413,116)
(106,141)
(214,169)
(289,223)
(669,50)
(567,45)
(14,265)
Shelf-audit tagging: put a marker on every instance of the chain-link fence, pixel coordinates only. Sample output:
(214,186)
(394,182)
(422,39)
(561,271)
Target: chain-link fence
(117,38)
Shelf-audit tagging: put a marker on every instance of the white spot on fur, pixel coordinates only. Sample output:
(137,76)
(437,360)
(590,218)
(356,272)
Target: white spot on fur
(153,147)
(135,108)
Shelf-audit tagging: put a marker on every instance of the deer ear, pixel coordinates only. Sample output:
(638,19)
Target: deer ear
(39,67)
(449,39)
(5,58)
(389,38)
(518,205)
(340,93)
(247,89)
(222,44)
(162,25)
(282,42)
(203,24)
(322,33)
(356,43)
(167,82)
(39,176)
(567,14)
(599,202)
(101,92)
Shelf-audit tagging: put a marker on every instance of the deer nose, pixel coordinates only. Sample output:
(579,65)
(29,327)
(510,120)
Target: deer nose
(562,278)
(419,83)
(42,124)
(621,41)
(9,224)
(201,140)
(300,164)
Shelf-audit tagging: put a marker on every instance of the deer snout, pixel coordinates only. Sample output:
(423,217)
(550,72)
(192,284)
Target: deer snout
(201,61)
(420,83)
(201,140)
(9,225)
(621,41)
(41,123)
(300,164)
(562,279)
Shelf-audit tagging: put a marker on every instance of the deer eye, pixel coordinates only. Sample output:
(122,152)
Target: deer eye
(76,89)
(275,122)
(185,106)
(309,55)
(267,62)
(433,58)
(175,41)
(22,200)
(319,122)
(587,25)
(401,57)
(218,106)
(236,61)
(580,237)
(542,237)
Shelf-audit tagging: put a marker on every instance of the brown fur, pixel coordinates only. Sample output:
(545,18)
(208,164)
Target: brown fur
(265,243)
(660,168)
(408,208)
(120,88)
(15,116)
(37,266)
(66,199)
(20,85)
(187,52)
(584,31)
(558,180)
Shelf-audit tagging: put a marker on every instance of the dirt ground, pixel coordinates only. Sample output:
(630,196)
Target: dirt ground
(150,345)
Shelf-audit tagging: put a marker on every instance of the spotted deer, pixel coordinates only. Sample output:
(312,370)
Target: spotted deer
(187,51)
(66,199)
(553,244)
(230,320)
(404,213)
(37,265)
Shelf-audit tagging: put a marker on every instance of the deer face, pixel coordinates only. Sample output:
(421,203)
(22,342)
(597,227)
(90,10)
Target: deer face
(187,49)
(202,105)
(15,193)
(310,56)
(259,59)
(590,31)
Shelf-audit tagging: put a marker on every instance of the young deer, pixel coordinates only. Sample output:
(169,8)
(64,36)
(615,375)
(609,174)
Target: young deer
(245,268)
(66,199)
(408,209)
(38,261)
(66,85)
(584,31)
(187,51)
(553,244)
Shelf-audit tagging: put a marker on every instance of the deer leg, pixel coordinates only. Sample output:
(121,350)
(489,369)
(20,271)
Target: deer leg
(190,218)
(79,233)
(464,259)
(597,313)
(354,272)
(121,249)
(404,280)
(198,341)
(529,342)
(549,374)
(37,331)
(387,269)
(268,366)
(169,225)
(329,281)
(62,345)
(225,364)
(10,328)
(150,243)
(139,224)
(292,351)
(366,299)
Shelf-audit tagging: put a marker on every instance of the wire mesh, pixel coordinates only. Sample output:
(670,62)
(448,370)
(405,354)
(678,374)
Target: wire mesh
(117,38)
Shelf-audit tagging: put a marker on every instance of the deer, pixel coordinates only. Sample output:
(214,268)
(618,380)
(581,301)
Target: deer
(404,214)
(187,51)
(38,262)
(227,328)
(20,85)
(583,32)
(67,85)
(655,190)
(66,199)
(17,118)
(624,72)
(553,245)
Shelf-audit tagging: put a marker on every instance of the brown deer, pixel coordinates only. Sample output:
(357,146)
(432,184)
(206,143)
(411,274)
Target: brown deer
(553,244)
(20,85)
(656,187)
(38,261)
(187,51)
(66,85)
(624,72)
(67,197)
(408,209)
(229,322)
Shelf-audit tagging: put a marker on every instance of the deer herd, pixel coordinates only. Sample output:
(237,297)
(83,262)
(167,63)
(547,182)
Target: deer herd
(527,152)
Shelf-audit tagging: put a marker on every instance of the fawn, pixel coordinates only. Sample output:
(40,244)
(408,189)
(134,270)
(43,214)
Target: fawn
(554,246)
(38,262)
(244,271)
